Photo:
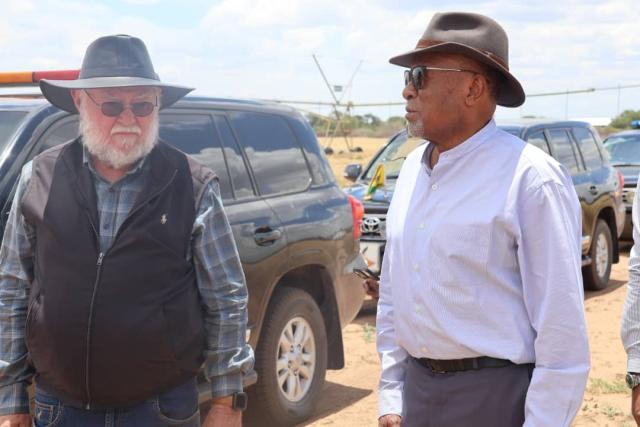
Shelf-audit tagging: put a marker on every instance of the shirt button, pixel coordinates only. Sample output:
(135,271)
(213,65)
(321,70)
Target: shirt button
(416,308)
(421,226)
(423,349)
(415,267)
(434,187)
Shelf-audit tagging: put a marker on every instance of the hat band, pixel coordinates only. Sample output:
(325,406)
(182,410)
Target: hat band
(423,43)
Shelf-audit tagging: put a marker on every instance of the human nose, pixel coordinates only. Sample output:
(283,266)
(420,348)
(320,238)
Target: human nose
(409,91)
(127,116)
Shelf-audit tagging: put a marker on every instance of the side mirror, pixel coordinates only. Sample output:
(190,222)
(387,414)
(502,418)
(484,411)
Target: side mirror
(352,171)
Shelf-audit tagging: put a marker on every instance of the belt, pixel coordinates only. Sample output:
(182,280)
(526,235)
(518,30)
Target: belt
(455,365)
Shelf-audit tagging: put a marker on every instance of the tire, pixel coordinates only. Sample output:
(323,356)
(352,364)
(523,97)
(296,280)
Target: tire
(596,275)
(302,365)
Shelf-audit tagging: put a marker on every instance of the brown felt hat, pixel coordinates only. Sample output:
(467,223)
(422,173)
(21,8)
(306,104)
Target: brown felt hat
(472,35)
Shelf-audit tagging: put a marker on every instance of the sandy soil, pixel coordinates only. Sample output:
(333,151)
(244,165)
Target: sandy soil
(350,395)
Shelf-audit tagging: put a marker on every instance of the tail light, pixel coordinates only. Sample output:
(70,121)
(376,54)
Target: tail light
(357,211)
(620,180)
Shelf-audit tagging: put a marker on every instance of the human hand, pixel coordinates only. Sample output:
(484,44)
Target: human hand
(372,288)
(221,416)
(635,404)
(389,420)
(15,420)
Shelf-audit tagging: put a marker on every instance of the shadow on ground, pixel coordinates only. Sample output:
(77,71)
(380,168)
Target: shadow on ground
(612,286)
(335,397)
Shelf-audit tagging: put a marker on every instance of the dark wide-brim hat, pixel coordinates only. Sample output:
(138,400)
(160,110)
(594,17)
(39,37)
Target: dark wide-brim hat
(111,62)
(472,35)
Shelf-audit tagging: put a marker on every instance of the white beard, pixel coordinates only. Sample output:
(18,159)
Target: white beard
(137,146)
(416,128)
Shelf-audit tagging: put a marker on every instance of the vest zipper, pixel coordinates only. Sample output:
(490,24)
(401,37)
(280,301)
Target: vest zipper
(93,298)
(99,270)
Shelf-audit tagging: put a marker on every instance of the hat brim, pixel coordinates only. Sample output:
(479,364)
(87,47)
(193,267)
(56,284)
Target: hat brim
(511,94)
(58,92)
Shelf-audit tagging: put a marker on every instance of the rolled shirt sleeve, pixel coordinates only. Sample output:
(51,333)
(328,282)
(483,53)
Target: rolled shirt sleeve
(549,255)
(223,290)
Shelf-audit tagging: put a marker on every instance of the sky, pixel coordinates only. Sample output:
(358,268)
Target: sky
(263,48)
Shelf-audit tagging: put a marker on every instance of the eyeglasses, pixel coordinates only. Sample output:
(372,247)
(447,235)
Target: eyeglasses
(418,74)
(115,108)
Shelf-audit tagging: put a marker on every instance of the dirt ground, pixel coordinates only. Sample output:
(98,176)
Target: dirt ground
(350,395)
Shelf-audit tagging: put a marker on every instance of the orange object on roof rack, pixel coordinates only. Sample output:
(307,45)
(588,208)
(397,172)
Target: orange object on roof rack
(32,78)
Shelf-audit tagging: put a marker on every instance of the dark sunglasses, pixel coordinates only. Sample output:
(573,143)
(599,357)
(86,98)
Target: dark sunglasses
(418,75)
(115,108)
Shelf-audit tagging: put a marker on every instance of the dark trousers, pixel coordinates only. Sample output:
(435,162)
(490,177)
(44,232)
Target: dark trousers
(177,407)
(490,397)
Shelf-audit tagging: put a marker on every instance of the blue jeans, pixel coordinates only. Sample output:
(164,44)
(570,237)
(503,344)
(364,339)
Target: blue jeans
(177,407)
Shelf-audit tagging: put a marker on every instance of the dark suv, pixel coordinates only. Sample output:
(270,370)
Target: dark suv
(574,144)
(624,152)
(296,231)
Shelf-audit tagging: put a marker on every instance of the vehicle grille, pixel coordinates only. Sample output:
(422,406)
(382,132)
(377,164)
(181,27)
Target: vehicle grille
(373,226)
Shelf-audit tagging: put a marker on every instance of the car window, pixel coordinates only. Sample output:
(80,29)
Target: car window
(393,156)
(588,147)
(623,149)
(240,182)
(9,121)
(539,140)
(563,149)
(274,155)
(60,132)
(196,135)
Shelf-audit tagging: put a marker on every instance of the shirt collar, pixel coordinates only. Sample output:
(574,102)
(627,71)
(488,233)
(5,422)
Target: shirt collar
(465,147)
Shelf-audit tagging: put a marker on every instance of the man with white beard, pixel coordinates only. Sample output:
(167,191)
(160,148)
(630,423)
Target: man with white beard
(119,275)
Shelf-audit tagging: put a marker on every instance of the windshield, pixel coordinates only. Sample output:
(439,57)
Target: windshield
(623,149)
(9,121)
(393,156)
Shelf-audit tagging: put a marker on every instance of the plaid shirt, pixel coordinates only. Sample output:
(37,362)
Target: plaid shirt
(213,252)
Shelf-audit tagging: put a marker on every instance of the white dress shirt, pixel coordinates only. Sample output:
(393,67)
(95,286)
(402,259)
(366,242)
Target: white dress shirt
(631,314)
(483,258)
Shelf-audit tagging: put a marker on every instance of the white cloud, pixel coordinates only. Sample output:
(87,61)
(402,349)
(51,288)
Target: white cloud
(263,48)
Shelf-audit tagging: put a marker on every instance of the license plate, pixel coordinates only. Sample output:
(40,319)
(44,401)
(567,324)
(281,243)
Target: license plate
(371,252)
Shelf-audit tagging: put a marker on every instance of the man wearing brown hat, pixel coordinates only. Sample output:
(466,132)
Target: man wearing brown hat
(480,318)
(119,275)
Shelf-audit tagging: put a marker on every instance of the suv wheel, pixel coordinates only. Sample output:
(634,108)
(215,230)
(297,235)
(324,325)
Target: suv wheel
(291,360)
(596,274)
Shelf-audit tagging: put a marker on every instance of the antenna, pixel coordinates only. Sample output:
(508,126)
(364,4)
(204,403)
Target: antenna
(340,122)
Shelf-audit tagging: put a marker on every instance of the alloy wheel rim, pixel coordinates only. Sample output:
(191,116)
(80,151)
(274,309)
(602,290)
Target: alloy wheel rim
(296,359)
(602,255)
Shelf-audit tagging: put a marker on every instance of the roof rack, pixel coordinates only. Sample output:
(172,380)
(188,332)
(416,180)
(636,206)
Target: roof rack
(32,78)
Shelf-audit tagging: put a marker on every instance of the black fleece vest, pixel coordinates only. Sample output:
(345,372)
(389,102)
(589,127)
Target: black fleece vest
(111,330)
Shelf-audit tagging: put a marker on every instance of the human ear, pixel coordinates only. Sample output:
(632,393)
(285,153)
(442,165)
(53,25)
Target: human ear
(77,99)
(477,87)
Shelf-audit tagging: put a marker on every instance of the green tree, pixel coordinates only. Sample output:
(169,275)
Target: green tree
(624,119)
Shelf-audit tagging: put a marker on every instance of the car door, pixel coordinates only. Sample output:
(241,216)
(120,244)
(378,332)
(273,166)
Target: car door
(208,138)
(563,149)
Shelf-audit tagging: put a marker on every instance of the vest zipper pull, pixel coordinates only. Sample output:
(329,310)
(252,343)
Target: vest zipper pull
(100,258)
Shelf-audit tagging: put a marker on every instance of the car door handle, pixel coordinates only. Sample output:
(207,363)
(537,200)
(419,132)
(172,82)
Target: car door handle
(593,190)
(266,236)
